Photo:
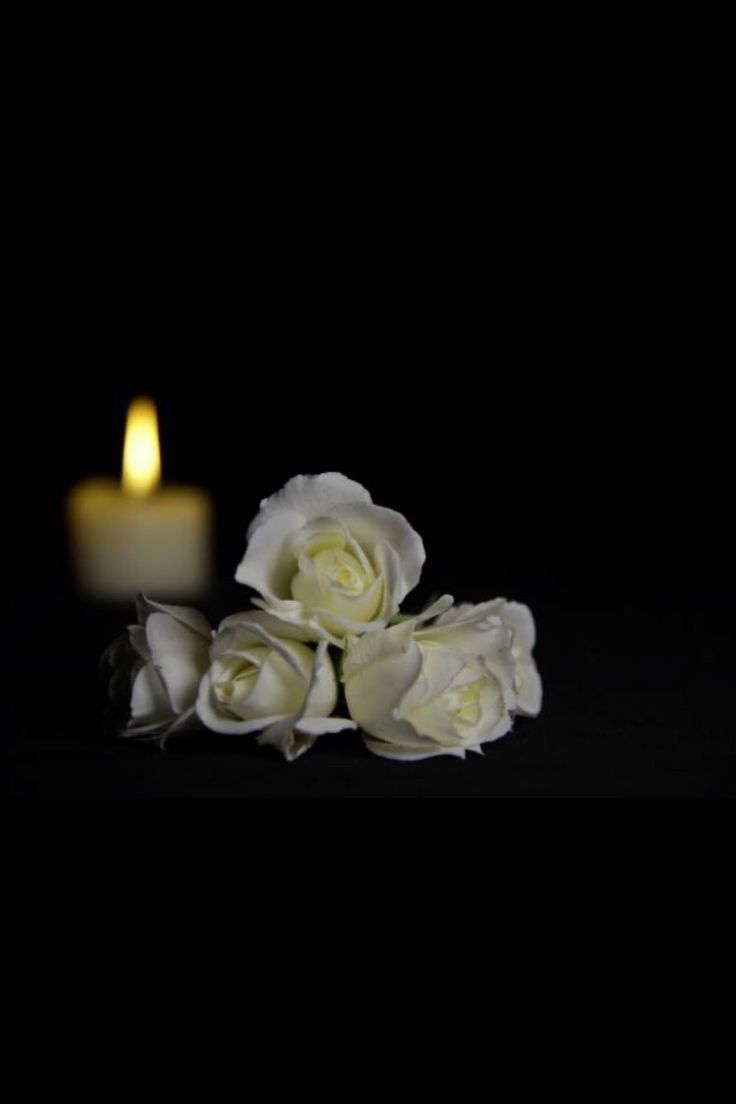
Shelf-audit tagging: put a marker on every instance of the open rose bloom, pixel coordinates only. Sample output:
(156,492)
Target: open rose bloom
(445,689)
(332,570)
(324,557)
(264,678)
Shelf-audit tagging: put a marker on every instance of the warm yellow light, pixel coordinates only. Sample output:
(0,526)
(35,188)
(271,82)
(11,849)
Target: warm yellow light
(142,456)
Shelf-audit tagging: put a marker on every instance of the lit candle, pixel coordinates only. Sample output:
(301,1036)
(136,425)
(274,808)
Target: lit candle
(141,538)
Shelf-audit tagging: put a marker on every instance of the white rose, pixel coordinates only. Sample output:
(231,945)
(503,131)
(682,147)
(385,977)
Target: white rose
(442,690)
(161,663)
(519,621)
(264,678)
(322,556)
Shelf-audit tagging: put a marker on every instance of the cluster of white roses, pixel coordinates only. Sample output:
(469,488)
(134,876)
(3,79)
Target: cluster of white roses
(332,569)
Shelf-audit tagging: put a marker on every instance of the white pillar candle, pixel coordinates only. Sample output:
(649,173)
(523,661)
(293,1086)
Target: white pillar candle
(140,538)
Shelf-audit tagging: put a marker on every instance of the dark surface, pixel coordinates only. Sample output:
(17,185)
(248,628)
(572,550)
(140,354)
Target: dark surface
(578,459)
(636,705)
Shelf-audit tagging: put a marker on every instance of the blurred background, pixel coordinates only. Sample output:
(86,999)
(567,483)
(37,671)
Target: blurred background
(576,459)
(530,448)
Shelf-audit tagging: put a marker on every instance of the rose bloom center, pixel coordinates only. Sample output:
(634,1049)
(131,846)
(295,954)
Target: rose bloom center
(464,705)
(343,571)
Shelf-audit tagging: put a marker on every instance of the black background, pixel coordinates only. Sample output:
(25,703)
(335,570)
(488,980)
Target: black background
(577,459)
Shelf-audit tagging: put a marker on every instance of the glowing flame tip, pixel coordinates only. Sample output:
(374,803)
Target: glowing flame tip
(142,455)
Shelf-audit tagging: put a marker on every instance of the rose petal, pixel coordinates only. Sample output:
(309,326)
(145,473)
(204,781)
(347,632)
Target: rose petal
(137,636)
(311,496)
(344,624)
(389,566)
(468,612)
(281,686)
(363,651)
(372,525)
(321,697)
(520,620)
(434,724)
(440,669)
(297,618)
(180,656)
(348,609)
(477,630)
(320,726)
(404,755)
(276,627)
(269,563)
(149,704)
(210,716)
(374,690)
(530,694)
(185,615)
(285,738)
(437,609)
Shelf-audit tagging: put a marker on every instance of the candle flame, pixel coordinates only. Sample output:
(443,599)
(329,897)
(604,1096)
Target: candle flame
(142,456)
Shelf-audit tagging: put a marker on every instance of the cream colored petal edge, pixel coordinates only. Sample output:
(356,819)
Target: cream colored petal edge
(405,755)
(321,726)
(179,655)
(374,525)
(363,651)
(185,615)
(298,618)
(268,564)
(530,697)
(520,620)
(312,496)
